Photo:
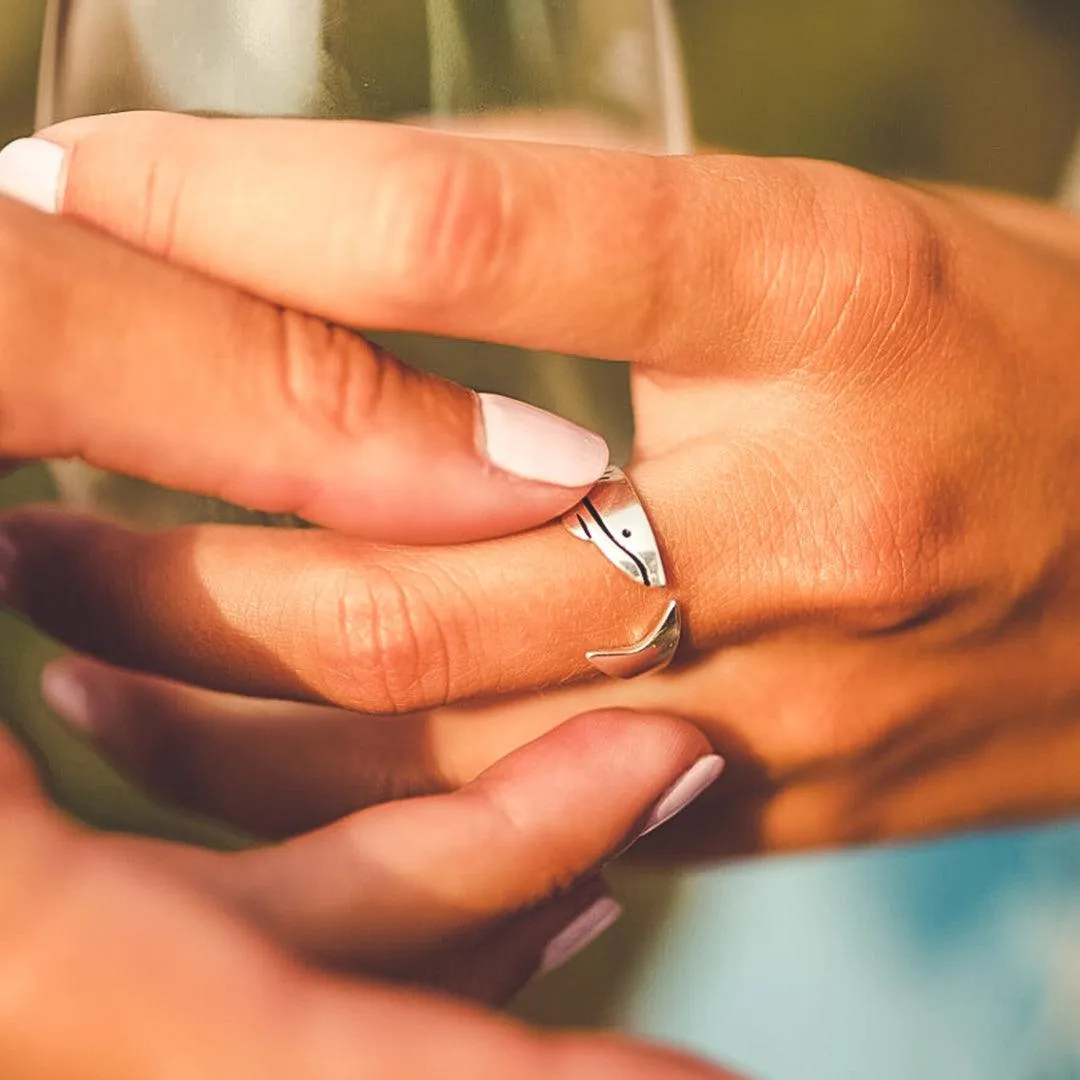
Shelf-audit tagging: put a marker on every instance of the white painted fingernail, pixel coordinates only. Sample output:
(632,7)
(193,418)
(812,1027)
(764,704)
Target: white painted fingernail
(689,787)
(32,171)
(536,445)
(67,695)
(580,934)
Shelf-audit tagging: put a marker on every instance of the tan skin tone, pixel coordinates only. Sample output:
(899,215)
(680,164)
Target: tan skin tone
(125,958)
(122,957)
(855,403)
(857,407)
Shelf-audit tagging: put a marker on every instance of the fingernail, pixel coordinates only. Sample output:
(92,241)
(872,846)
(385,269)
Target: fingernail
(536,445)
(690,786)
(32,171)
(68,695)
(580,934)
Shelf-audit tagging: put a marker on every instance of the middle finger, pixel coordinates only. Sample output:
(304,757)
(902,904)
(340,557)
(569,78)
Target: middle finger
(313,615)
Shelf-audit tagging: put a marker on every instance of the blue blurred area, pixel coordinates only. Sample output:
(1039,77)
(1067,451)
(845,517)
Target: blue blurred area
(952,961)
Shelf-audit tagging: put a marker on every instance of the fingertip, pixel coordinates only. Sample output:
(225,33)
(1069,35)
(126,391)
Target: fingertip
(533,444)
(581,932)
(671,737)
(684,792)
(33,172)
(66,689)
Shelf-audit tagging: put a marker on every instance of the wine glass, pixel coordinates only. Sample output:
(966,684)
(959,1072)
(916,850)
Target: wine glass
(600,72)
(587,71)
(591,71)
(596,72)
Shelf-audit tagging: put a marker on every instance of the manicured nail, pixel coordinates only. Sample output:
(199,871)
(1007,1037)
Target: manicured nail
(580,934)
(690,786)
(68,695)
(536,445)
(32,171)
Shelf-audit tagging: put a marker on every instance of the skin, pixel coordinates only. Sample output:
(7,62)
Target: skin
(266,962)
(856,405)
(294,416)
(261,963)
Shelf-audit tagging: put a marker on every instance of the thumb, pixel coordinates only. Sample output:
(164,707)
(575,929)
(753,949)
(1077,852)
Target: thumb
(247,401)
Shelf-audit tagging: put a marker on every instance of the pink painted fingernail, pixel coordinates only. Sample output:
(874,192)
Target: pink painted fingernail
(535,445)
(690,786)
(32,171)
(68,695)
(580,934)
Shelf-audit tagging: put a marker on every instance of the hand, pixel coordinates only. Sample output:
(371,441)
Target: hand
(857,408)
(125,958)
(213,391)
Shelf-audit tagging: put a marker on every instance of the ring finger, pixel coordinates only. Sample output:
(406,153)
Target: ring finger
(275,769)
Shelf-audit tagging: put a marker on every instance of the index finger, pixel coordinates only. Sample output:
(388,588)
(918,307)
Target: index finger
(148,369)
(602,253)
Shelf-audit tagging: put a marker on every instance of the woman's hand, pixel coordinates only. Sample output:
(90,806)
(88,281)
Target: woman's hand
(254,963)
(857,408)
(148,369)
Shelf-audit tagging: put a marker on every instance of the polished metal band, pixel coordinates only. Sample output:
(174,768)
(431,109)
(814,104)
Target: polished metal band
(613,519)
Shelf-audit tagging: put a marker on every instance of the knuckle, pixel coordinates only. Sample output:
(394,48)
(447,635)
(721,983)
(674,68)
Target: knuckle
(330,379)
(449,224)
(891,557)
(902,279)
(381,645)
(866,537)
(909,256)
(658,250)
(157,210)
(874,264)
(553,858)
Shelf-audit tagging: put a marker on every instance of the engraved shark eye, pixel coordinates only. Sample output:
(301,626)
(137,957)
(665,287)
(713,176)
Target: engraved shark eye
(627,534)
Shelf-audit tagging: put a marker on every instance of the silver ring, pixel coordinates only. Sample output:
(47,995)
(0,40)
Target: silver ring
(613,519)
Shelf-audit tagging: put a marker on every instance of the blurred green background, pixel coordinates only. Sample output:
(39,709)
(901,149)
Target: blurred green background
(986,91)
(804,957)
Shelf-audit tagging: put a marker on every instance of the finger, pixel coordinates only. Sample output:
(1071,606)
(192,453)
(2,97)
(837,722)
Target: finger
(222,756)
(383,888)
(398,228)
(313,615)
(96,946)
(255,404)
(115,950)
(271,769)
(494,969)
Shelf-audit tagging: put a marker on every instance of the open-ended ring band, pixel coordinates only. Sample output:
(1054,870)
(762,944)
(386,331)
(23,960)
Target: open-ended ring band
(612,518)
